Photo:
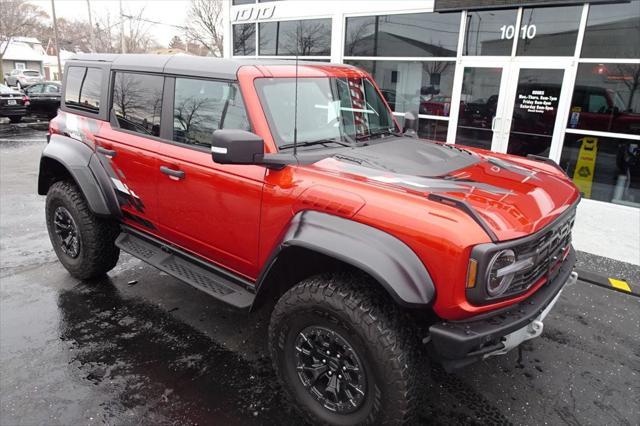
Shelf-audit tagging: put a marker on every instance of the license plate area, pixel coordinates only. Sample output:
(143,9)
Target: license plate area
(11,102)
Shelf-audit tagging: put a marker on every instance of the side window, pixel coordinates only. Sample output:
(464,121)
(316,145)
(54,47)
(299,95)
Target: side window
(52,88)
(137,102)
(36,88)
(202,106)
(598,103)
(84,87)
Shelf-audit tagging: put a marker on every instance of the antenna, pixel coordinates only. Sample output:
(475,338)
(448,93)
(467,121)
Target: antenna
(295,113)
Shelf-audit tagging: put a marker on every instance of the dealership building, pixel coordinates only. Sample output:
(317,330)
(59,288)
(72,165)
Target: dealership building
(553,78)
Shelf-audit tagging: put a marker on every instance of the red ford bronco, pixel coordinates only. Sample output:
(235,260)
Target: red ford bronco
(270,183)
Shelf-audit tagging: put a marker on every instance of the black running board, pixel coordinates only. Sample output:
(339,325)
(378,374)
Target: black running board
(187,268)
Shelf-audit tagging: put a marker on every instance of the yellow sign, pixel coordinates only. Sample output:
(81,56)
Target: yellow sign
(586,165)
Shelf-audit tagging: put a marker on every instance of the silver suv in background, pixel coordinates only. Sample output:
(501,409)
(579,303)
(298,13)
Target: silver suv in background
(23,78)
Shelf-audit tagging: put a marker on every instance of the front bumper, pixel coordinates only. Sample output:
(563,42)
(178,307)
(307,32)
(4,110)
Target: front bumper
(459,343)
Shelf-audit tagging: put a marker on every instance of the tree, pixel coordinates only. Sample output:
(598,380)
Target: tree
(176,43)
(17,17)
(205,25)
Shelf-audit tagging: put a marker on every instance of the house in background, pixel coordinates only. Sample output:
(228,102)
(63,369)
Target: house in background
(51,71)
(23,53)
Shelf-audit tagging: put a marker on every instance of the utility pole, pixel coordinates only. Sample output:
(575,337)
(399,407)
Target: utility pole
(123,48)
(55,34)
(91,36)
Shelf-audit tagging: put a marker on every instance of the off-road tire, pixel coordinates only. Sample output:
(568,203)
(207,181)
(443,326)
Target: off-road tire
(351,305)
(98,252)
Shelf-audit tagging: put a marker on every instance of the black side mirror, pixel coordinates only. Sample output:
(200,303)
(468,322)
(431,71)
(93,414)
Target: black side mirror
(410,126)
(230,146)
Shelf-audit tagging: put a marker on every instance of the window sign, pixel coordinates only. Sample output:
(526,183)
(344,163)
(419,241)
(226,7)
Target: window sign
(535,111)
(549,31)
(492,32)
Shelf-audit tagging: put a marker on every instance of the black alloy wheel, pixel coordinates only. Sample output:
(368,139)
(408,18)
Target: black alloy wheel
(67,232)
(330,369)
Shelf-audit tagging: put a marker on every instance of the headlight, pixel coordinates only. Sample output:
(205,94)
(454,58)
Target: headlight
(497,280)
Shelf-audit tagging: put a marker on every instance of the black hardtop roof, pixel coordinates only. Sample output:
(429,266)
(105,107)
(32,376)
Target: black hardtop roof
(199,66)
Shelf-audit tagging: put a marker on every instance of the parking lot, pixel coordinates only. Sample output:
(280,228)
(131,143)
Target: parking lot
(139,347)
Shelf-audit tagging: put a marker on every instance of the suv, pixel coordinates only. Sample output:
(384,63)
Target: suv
(23,78)
(269,184)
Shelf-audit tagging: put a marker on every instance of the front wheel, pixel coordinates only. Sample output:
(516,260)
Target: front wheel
(342,352)
(15,118)
(84,243)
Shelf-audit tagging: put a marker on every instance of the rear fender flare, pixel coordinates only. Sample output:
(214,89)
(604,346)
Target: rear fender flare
(81,163)
(384,257)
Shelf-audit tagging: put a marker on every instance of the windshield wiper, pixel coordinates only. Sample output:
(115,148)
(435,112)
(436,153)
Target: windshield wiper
(317,142)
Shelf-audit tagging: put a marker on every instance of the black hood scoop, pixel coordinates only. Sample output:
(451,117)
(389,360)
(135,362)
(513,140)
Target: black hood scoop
(408,156)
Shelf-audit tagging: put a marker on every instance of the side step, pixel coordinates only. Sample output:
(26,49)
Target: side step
(195,272)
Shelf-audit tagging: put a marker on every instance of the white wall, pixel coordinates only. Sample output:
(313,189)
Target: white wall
(608,230)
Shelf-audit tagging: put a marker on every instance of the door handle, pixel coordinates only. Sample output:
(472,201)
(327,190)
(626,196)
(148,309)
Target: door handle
(108,152)
(173,174)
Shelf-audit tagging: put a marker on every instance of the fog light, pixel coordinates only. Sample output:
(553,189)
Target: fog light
(497,283)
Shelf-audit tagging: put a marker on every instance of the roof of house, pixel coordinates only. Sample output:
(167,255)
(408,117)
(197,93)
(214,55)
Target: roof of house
(21,49)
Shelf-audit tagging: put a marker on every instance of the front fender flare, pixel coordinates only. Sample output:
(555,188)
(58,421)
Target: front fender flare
(387,259)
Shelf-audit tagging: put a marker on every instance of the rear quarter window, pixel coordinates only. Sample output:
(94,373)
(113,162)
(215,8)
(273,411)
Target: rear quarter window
(83,88)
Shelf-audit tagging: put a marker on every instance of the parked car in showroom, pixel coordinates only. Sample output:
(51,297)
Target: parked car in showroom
(23,78)
(13,103)
(291,186)
(44,98)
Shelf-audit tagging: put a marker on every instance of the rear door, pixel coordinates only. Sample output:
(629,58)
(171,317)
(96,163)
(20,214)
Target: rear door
(210,209)
(127,148)
(35,94)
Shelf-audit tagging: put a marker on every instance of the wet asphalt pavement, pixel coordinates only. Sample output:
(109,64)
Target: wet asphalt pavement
(160,352)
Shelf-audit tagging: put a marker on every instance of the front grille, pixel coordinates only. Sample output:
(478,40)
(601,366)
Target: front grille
(547,250)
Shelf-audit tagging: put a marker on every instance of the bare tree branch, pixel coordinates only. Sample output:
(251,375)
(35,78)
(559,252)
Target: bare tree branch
(205,25)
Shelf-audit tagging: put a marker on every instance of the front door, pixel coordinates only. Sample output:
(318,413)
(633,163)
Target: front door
(209,209)
(478,103)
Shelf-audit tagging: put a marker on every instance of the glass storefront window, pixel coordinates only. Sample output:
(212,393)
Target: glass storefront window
(549,31)
(490,32)
(535,111)
(605,169)
(244,39)
(309,37)
(606,97)
(416,34)
(422,86)
(613,31)
(435,130)
(241,2)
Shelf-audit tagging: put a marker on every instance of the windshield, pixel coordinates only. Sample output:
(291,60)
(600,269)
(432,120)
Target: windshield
(31,73)
(344,110)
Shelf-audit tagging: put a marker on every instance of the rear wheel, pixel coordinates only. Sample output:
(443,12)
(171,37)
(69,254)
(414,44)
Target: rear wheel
(84,243)
(342,352)
(15,118)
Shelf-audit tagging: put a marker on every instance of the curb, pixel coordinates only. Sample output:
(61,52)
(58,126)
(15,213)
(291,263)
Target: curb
(615,284)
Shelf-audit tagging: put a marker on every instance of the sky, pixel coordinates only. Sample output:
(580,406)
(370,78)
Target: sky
(165,11)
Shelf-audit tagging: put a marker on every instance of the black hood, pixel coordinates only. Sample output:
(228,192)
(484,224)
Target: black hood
(409,156)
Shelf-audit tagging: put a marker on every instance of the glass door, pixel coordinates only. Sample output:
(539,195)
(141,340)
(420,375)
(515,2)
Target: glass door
(478,104)
(535,98)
